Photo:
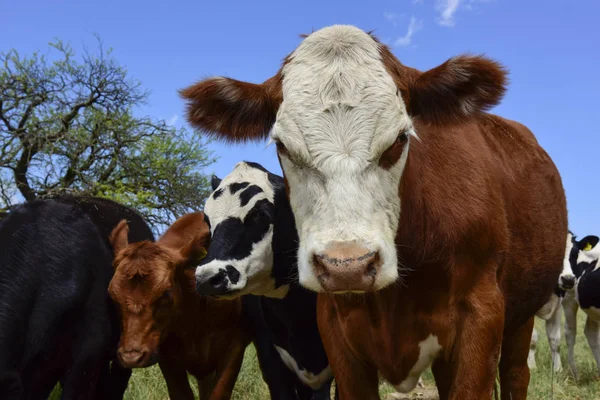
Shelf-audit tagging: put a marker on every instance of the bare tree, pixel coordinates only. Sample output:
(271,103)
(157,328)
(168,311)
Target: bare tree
(69,126)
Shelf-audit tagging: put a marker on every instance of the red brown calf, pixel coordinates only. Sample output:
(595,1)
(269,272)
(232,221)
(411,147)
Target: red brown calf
(165,321)
(456,242)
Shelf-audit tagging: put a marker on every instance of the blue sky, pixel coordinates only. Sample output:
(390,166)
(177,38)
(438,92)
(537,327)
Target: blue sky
(551,47)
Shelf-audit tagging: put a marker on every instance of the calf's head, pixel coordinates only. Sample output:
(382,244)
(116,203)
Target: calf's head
(241,213)
(149,284)
(341,112)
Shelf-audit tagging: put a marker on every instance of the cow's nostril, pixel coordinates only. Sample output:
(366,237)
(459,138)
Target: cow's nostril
(567,281)
(319,264)
(371,269)
(218,279)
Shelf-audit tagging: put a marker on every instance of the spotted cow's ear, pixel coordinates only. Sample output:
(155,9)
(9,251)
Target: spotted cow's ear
(588,242)
(215,182)
(118,237)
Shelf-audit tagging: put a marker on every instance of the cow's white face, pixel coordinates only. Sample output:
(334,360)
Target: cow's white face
(566,280)
(336,121)
(342,129)
(241,216)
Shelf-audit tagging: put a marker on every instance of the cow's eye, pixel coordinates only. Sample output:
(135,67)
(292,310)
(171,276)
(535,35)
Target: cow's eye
(391,156)
(402,138)
(281,149)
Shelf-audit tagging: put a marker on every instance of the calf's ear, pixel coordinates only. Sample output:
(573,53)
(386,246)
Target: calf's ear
(118,237)
(459,88)
(233,110)
(194,251)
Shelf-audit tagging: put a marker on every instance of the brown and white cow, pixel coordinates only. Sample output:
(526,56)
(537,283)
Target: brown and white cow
(403,186)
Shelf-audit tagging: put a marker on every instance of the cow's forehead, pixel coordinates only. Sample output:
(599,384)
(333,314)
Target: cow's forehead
(237,194)
(336,65)
(338,94)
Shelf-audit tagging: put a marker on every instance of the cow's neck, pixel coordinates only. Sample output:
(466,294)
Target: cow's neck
(193,306)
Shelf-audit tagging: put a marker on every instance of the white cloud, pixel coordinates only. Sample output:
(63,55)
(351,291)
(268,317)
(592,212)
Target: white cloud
(447,9)
(414,26)
(390,16)
(171,121)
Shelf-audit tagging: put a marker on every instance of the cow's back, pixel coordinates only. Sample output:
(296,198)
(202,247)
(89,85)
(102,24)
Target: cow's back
(106,214)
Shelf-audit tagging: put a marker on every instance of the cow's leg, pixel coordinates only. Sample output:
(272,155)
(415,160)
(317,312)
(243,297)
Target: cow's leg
(304,392)
(514,373)
(11,386)
(176,378)
(84,373)
(118,380)
(531,363)
(592,333)
(443,378)
(206,385)
(354,379)
(276,374)
(228,370)
(322,393)
(532,347)
(570,308)
(83,378)
(476,349)
(553,333)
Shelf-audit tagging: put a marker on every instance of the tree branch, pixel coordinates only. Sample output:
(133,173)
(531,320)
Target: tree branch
(3,118)
(20,172)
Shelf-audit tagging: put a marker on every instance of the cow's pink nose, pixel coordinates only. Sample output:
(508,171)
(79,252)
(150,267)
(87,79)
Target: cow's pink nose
(347,268)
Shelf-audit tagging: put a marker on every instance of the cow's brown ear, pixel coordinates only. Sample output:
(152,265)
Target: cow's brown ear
(232,110)
(457,89)
(118,237)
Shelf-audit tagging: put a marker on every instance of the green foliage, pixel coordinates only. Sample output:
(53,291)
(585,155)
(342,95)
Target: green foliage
(68,125)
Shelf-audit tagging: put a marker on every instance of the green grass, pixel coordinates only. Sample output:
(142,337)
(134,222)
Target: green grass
(148,384)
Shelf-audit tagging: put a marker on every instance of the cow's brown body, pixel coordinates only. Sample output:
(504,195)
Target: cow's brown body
(164,319)
(482,229)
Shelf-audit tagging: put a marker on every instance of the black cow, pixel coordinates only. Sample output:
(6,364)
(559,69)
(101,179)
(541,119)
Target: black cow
(253,252)
(57,323)
(583,260)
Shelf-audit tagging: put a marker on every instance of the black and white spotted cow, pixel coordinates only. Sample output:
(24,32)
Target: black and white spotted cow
(583,259)
(253,253)
(550,312)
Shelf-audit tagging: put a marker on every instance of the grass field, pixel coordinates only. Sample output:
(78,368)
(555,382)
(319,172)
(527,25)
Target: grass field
(148,384)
